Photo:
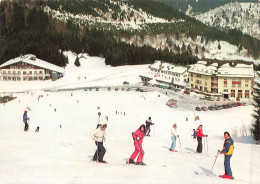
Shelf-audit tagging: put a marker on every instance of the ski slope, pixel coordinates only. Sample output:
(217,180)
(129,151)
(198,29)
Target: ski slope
(62,155)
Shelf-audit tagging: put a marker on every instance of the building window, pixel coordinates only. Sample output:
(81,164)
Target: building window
(35,78)
(24,78)
(191,79)
(196,87)
(225,85)
(191,75)
(225,79)
(225,90)
(18,78)
(30,72)
(4,72)
(239,91)
(205,89)
(40,78)
(9,72)
(239,85)
(35,72)
(233,79)
(246,85)
(246,80)
(5,78)
(19,72)
(247,91)
(239,79)
(30,78)
(233,85)
(24,72)
(14,72)
(206,83)
(9,78)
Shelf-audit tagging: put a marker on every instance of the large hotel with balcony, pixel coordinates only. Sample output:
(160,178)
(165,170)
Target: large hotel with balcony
(29,68)
(222,78)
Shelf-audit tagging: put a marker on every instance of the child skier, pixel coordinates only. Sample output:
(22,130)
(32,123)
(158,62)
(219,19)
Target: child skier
(98,135)
(138,136)
(174,134)
(228,151)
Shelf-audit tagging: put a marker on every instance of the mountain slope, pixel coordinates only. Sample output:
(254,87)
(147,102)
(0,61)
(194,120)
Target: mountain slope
(199,6)
(242,16)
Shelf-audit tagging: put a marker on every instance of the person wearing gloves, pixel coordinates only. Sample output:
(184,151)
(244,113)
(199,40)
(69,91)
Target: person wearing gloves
(138,136)
(228,151)
(174,135)
(98,135)
(200,134)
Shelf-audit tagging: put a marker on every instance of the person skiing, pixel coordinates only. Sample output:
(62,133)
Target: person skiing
(174,134)
(199,134)
(228,151)
(25,119)
(138,136)
(99,136)
(99,119)
(148,124)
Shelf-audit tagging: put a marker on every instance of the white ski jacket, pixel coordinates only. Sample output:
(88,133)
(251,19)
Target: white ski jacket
(174,132)
(98,135)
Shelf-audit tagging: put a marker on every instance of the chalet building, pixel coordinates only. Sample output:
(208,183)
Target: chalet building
(222,78)
(168,74)
(29,68)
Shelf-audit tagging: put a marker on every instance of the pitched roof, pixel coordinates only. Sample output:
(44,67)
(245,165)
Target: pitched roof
(31,59)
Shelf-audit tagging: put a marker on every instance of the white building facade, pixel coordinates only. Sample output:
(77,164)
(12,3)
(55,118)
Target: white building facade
(29,68)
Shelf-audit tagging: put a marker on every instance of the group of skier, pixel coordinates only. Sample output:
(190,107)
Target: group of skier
(99,136)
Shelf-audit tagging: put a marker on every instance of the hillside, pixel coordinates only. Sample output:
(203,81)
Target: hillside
(242,16)
(137,22)
(196,7)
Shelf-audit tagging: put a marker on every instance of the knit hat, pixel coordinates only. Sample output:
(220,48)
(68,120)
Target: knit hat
(25,111)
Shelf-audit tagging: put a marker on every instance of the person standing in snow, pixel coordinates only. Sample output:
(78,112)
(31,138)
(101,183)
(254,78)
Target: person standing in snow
(99,136)
(174,135)
(138,136)
(25,119)
(148,124)
(228,151)
(199,134)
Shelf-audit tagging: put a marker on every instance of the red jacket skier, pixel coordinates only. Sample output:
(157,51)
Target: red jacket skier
(138,136)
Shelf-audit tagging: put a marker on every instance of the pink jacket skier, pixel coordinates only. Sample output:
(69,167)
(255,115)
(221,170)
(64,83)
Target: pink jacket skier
(138,136)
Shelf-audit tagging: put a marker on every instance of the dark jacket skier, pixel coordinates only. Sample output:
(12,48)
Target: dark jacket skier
(26,125)
(148,124)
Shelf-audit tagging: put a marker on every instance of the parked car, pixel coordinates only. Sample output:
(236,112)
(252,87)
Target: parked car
(123,89)
(211,108)
(239,104)
(207,97)
(233,104)
(229,105)
(125,82)
(204,108)
(165,87)
(224,106)
(116,89)
(109,88)
(218,99)
(85,89)
(197,109)
(244,103)
(174,89)
(128,89)
(138,89)
(147,84)
(97,89)
(187,92)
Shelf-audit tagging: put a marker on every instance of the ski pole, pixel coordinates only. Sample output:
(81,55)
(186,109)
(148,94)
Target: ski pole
(97,151)
(214,163)
(179,141)
(207,146)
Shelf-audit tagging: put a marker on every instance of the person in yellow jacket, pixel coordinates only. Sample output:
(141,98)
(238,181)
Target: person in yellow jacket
(228,152)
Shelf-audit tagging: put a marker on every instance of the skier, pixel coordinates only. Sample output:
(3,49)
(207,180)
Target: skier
(174,134)
(199,134)
(138,136)
(26,125)
(99,119)
(98,135)
(148,124)
(228,151)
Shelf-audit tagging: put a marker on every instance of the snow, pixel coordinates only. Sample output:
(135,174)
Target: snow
(62,155)
(92,72)
(57,155)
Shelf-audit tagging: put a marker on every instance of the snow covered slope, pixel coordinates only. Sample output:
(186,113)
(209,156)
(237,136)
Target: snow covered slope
(62,155)
(241,16)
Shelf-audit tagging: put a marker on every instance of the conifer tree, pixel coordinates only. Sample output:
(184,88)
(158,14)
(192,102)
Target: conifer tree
(256,115)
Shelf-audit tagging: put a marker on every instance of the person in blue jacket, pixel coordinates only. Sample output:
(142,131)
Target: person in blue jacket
(25,119)
(228,152)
